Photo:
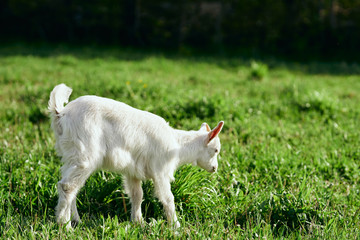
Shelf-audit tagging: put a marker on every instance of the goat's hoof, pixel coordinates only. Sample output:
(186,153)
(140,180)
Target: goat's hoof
(138,220)
(176,224)
(74,223)
(68,226)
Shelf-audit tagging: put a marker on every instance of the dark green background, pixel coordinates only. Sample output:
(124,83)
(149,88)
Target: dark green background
(326,29)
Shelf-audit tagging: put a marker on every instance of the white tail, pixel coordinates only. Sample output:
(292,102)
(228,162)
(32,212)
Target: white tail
(59,95)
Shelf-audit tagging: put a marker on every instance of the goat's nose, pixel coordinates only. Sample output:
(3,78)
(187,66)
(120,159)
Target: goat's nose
(214,169)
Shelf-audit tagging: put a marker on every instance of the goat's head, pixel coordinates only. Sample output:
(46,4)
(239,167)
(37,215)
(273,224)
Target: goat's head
(210,148)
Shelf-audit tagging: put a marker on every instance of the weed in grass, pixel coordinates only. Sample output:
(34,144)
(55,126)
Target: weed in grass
(258,70)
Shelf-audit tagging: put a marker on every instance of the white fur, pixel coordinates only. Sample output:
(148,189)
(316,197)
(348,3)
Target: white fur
(94,133)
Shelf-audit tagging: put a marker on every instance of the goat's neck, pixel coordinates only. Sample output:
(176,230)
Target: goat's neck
(189,142)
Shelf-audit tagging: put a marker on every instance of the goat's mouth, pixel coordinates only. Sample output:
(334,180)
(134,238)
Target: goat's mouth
(213,170)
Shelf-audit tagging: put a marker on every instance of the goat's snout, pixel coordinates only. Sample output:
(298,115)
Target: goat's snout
(214,169)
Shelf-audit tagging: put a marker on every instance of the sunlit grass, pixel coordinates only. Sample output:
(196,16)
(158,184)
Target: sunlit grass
(289,164)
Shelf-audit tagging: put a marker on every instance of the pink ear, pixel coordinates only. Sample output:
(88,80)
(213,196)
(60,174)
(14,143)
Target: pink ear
(215,131)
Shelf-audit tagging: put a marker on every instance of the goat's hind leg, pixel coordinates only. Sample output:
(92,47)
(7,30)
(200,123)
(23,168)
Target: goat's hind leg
(73,178)
(75,218)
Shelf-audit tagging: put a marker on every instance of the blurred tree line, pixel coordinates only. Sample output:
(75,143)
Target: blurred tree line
(323,27)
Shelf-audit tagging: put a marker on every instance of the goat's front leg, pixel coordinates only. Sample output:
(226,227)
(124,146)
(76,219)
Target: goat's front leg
(135,192)
(163,192)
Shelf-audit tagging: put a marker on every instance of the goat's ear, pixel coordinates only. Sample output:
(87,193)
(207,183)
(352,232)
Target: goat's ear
(205,127)
(215,131)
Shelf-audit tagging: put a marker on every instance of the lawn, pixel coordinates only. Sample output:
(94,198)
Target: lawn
(289,165)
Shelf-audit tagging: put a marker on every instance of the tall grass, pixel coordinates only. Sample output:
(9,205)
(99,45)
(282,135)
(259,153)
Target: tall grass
(289,164)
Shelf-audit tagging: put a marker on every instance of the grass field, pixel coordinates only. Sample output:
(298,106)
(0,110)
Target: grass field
(289,164)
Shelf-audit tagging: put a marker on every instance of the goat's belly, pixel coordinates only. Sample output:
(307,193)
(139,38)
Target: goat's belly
(122,161)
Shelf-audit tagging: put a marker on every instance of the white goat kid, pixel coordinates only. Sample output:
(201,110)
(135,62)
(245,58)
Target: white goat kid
(94,133)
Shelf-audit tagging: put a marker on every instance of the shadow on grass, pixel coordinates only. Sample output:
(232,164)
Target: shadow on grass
(107,197)
(284,212)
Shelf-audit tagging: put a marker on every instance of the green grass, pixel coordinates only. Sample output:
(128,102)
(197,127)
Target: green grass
(290,159)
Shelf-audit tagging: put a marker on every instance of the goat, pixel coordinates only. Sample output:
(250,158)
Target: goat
(94,133)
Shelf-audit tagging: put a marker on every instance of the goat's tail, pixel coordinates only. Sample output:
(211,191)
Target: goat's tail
(59,95)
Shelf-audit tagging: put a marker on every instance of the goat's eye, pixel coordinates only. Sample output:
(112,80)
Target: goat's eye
(216,150)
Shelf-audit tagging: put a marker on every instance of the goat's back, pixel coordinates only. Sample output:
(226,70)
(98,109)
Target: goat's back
(102,128)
